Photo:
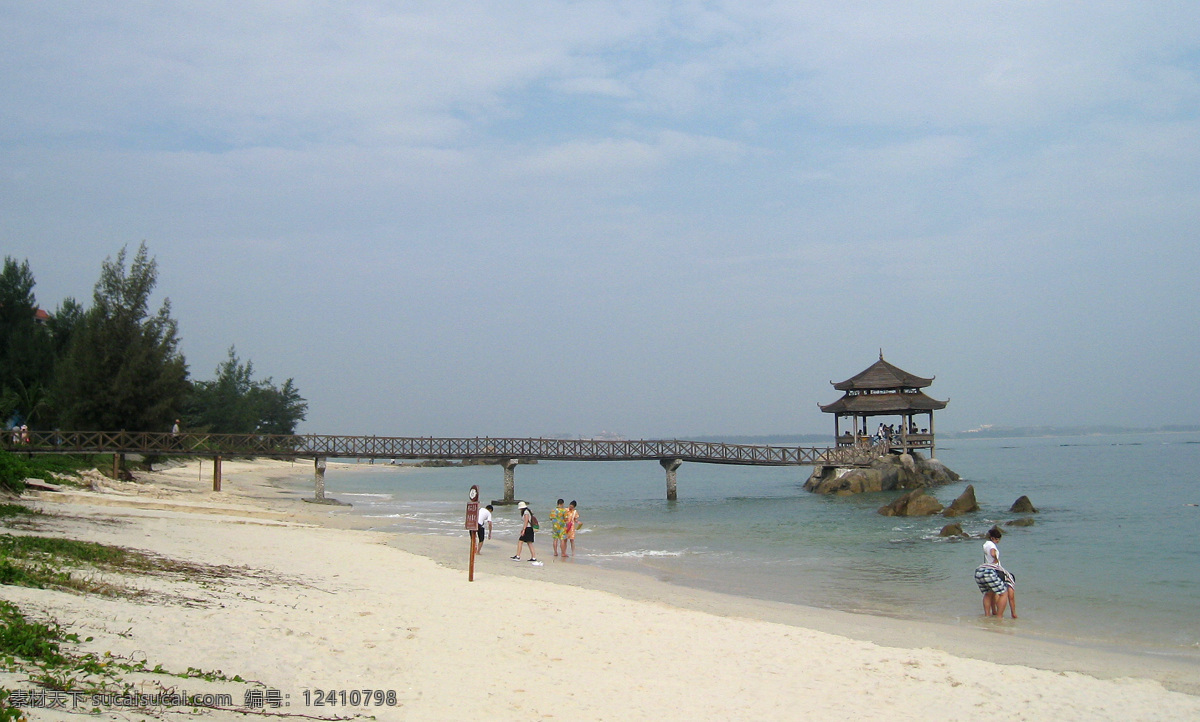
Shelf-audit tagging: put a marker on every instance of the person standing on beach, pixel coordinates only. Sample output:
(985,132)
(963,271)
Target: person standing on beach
(558,527)
(526,533)
(1010,582)
(572,525)
(991,578)
(485,519)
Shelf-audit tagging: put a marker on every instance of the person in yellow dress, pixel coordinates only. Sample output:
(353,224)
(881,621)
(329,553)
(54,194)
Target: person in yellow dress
(572,525)
(558,527)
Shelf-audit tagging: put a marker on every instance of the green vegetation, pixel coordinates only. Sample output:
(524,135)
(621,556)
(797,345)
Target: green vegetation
(9,511)
(13,473)
(235,403)
(26,369)
(45,466)
(54,563)
(39,650)
(118,365)
(123,368)
(44,652)
(50,468)
(38,643)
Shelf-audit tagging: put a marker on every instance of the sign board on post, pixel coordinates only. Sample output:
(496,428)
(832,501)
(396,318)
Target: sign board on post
(473,508)
(472,524)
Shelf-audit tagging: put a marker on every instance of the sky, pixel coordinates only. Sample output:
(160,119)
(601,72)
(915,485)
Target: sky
(655,219)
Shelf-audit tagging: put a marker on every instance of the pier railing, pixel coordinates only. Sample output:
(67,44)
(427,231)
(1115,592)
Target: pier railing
(417,447)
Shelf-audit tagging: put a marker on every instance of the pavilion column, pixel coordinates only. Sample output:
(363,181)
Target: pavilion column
(670,465)
(932,438)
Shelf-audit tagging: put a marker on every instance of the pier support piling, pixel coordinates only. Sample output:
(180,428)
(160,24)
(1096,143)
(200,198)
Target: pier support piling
(319,478)
(670,465)
(319,485)
(510,483)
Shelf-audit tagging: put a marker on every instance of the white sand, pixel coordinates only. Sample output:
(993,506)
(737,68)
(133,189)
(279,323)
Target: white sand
(341,609)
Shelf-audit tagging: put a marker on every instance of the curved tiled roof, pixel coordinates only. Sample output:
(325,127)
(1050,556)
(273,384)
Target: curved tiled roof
(873,404)
(883,375)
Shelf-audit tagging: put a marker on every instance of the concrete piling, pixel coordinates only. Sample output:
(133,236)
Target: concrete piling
(670,465)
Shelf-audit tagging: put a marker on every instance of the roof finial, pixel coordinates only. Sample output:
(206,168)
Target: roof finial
(881,354)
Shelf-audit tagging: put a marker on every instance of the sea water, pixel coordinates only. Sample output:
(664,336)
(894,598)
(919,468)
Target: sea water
(1112,558)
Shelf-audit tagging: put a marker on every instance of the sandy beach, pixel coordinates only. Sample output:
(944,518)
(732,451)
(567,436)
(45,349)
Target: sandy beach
(301,605)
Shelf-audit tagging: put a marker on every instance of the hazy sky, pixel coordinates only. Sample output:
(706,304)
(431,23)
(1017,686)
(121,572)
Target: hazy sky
(655,219)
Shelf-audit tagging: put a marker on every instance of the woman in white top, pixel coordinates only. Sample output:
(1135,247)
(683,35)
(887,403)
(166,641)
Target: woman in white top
(996,582)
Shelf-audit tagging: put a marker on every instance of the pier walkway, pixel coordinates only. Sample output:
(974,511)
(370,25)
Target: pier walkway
(506,452)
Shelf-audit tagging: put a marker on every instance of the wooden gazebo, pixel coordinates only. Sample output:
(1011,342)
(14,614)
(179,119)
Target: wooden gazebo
(884,390)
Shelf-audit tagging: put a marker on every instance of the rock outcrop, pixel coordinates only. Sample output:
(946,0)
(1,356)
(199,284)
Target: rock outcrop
(953,529)
(914,503)
(893,471)
(995,528)
(1023,506)
(1025,521)
(964,504)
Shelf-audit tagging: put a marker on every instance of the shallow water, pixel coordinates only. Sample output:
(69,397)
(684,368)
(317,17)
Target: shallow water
(1111,560)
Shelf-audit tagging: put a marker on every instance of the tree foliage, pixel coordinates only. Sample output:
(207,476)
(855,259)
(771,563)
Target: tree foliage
(26,352)
(234,403)
(117,365)
(13,472)
(122,368)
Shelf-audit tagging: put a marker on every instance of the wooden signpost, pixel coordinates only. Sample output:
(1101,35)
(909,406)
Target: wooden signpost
(472,525)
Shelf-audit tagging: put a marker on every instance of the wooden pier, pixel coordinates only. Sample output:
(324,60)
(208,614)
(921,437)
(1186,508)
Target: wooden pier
(503,451)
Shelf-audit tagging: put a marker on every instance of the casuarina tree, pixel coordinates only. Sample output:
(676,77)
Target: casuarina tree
(235,403)
(26,355)
(123,368)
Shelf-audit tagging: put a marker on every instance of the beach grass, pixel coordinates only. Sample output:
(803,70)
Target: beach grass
(68,564)
(39,650)
(17,511)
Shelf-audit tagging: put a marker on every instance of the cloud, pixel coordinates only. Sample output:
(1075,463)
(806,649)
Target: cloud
(719,182)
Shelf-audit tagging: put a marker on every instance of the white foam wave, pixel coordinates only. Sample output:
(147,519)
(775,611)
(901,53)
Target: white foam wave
(638,554)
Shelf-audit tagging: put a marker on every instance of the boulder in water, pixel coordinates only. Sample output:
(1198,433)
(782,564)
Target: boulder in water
(892,471)
(953,529)
(1023,506)
(996,528)
(914,503)
(1024,521)
(964,504)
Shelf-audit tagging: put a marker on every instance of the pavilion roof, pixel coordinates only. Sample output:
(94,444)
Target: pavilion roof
(883,375)
(883,404)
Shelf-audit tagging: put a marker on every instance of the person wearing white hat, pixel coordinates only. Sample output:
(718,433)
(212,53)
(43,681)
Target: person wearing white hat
(526,533)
